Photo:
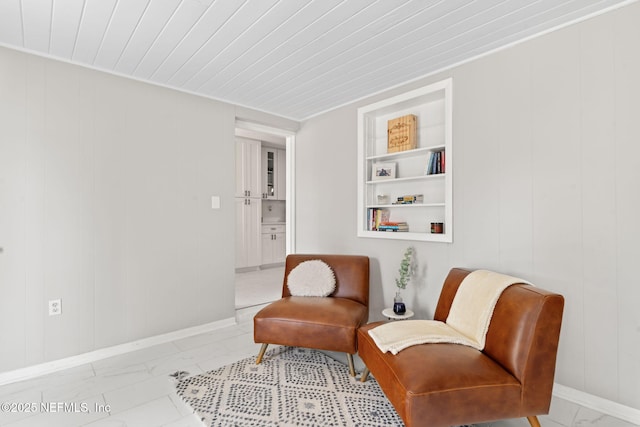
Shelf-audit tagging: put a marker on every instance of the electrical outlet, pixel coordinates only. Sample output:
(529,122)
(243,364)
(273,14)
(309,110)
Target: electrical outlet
(55,307)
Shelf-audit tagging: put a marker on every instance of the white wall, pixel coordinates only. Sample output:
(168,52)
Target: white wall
(547,171)
(105,187)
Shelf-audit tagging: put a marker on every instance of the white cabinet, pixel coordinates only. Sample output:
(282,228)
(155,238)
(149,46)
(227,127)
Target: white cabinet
(273,243)
(411,191)
(260,173)
(248,222)
(273,173)
(248,203)
(247,168)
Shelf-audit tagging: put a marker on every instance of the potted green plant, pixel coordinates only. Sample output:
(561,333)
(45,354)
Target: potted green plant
(402,280)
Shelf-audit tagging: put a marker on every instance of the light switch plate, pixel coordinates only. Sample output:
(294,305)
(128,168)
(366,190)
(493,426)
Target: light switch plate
(215,202)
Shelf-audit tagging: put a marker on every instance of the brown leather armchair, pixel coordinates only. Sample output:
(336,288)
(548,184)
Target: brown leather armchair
(433,385)
(324,323)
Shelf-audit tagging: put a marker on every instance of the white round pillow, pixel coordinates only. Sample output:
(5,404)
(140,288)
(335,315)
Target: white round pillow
(312,278)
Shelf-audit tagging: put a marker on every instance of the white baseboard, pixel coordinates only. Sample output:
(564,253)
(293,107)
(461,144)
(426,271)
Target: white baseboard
(599,404)
(103,353)
(244,315)
(581,398)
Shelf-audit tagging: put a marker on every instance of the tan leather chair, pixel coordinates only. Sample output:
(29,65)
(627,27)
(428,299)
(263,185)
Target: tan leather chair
(438,385)
(324,323)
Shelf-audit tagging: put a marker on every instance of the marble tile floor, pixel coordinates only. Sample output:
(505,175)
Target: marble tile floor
(258,287)
(133,389)
(137,389)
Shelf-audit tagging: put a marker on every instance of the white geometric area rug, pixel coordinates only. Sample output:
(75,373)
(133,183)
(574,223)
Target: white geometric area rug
(291,387)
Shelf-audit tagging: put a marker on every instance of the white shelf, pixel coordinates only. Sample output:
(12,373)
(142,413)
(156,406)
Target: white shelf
(409,178)
(409,205)
(405,235)
(407,153)
(432,105)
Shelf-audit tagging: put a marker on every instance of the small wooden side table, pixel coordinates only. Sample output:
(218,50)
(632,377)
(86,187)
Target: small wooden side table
(389,314)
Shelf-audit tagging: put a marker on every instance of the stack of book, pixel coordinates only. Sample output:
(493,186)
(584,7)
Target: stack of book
(409,200)
(393,226)
(436,163)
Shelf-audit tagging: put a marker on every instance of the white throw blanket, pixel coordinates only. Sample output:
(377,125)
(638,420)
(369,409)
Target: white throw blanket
(467,323)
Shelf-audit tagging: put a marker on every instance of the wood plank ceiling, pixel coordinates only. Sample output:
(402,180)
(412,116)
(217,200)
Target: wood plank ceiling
(292,58)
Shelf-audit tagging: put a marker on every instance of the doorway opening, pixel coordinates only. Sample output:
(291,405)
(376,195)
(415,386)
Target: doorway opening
(265,218)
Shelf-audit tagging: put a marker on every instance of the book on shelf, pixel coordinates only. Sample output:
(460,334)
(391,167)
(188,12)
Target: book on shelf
(376,216)
(436,163)
(393,226)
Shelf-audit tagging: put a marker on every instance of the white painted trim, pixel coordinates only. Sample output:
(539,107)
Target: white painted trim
(368,116)
(257,127)
(103,353)
(581,398)
(596,403)
(290,211)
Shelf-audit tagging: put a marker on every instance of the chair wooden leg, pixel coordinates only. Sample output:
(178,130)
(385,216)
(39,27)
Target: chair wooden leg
(261,353)
(533,420)
(365,375)
(352,369)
